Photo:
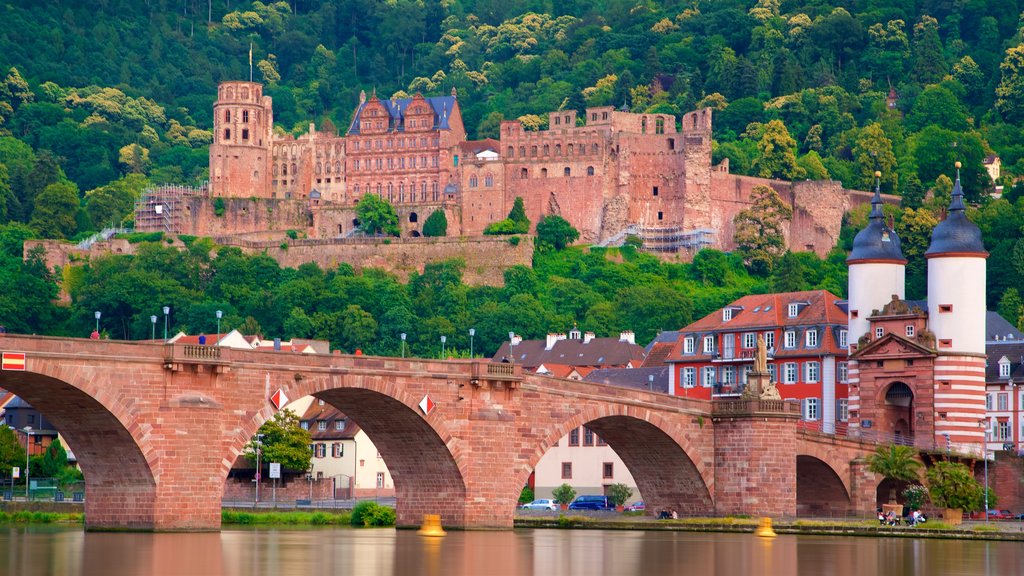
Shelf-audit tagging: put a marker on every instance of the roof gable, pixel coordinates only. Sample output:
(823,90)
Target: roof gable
(890,346)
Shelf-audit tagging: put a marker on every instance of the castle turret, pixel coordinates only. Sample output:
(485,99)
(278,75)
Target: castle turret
(956,316)
(876,268)
(240,153)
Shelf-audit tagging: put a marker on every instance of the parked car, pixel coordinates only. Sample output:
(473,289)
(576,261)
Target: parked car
(637,506)
(994,515)
(542,504)
(590,503)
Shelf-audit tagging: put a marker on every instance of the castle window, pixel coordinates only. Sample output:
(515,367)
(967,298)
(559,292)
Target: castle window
(245,115)
(524,173)
(355,145)
(245,133)
(327,167)
(654,191)
(567,172)
(319,168)
(546,149)
(227,133)
(568,120)
(593,115)
(355,191)
(590,170)
(558,149)
(659,126)
(379,189)
(558,120)
(533,151)
(661,215)
(472,181)
(284,169)
(643,125)
(543,172)
(593,148)
(227,115)
(488,180)
(569,150)
(671,143)
(275,170)
(604,115)
(337,167)
(511,151)
(910,331)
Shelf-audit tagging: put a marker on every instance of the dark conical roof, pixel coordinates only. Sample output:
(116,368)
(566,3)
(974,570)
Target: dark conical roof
(877,241)
(956,233)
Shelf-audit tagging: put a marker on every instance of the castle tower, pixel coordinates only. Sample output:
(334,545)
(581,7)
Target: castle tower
(876,268)
(956,315)
(243,121)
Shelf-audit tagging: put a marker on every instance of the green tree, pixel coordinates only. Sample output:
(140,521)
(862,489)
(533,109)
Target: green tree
(518,216)
(872,151)
(553,231)
(952,485)
(358,328)
(929,61)
(895,462)
(55,211)
(436,225)
(564,494)
(938,106)
(759,235)
(1010,92)
(377,216)
(11,452)
(777,151)
(1011,307)
(284,441)
(55,459)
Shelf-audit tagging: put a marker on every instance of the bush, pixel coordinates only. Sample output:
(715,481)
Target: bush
(619,493)
(564,494)
(555,232)
(137,237)
(436,225)
(526,495)
(501,228)
(514,240)
(952,485)
(218,207)
(367,513)
(292,234)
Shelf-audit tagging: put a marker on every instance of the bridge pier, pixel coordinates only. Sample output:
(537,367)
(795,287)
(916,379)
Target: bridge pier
(755,462)
(863,485)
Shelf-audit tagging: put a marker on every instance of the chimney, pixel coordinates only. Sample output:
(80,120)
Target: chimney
(277,344)
(552,339)
(516,339)
(587,337)
(627,336)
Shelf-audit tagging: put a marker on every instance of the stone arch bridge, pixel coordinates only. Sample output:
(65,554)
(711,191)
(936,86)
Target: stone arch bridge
(156,428)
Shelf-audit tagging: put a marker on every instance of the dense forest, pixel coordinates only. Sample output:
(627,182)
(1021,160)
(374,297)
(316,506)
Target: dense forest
(102,98)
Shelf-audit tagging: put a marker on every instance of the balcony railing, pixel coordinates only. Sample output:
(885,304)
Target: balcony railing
(741,355)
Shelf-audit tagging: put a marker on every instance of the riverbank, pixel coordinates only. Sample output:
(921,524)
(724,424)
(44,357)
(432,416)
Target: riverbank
(1008,531)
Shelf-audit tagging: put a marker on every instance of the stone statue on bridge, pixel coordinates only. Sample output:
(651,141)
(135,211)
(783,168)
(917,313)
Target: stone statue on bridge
(759,380)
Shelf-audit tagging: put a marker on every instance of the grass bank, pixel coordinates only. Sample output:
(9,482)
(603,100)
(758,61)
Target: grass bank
(866,528)
(38,517)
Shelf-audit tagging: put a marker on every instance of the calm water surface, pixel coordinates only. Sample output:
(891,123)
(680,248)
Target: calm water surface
(47,551)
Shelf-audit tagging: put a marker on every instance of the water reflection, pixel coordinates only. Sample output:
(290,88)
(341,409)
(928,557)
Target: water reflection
(50,551)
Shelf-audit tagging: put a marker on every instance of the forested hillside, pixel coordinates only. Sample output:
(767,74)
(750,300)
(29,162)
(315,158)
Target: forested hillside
(100,98)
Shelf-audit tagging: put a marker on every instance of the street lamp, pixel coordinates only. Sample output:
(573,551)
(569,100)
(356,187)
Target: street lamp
(28,437)
(152,333)
(220,314)
(403,344)
(97,314)
(259,445)
(511,342)
(443,340)
(988,433)
(946,434)
(472,332)
(167,310)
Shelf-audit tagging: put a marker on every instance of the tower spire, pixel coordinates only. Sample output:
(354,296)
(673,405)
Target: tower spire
(957,200)
(876,200)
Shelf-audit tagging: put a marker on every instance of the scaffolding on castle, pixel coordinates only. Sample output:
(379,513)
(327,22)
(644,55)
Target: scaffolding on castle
(667,239)
(162,208)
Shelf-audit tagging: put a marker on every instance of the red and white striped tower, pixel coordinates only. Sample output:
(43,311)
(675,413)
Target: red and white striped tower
(956,315)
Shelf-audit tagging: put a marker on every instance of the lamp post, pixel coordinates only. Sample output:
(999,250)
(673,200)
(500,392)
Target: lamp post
(259,449)
(650,382)
(988,433)
(220,314)
(511,342)
(28,438)
(167,310)
(946,434)
(152,333)
(443,340)
(97,314)
(403,344)
(472,332)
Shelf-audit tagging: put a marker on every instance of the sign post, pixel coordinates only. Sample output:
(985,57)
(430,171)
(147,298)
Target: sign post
(275,474)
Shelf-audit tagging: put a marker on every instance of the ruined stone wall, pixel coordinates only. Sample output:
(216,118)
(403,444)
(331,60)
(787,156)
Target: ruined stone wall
(339,220)
(481,204)
(486,258)
(244,215)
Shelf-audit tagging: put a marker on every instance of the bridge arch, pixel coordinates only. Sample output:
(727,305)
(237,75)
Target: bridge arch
(820,489)
(420,451)
(98,424)
(670,472)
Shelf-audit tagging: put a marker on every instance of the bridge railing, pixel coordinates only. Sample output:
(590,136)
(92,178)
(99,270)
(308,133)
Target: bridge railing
(497,371)
(762,406)
(924,443)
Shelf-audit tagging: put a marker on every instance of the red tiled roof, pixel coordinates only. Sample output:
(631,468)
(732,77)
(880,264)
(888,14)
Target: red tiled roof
(658,353)
(598,353)
(329,414)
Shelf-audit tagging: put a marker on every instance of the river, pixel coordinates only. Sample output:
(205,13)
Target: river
(56,551)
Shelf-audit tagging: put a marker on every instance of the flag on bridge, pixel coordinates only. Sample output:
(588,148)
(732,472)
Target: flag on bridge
(13,361)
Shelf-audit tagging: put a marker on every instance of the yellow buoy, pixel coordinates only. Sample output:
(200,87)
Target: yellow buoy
(764,529)
(431,526)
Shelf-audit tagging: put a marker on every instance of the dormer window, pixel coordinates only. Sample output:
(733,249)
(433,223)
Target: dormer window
(812,338)
(789,339)
(688,343)
(794,309)
(1004,367)
(726,314)
(910,330)
(843,339)
(709,344)
(879,332)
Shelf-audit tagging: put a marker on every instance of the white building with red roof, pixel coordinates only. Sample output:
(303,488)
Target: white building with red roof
(806,336)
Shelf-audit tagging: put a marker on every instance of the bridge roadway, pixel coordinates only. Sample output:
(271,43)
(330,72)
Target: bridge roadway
(156,428)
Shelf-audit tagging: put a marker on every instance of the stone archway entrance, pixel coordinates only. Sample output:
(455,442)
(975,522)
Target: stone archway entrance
(899,408)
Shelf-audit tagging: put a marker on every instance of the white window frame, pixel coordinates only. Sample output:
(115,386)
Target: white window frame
(811,337)
(689,377)
(749,340)
(812,372)
(789,339)
(1002,401)
(844,339)
(811,409)
(842,372)
(1004,369)
(707,376)
(769,340)
(793,310)
(909,331)
(773,372)
(321,424)
(843,410)
(728,375)
(988,401)
(709,344)
(1004,431)
(879,332)
(726,314)
(688,344)
(789,373)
